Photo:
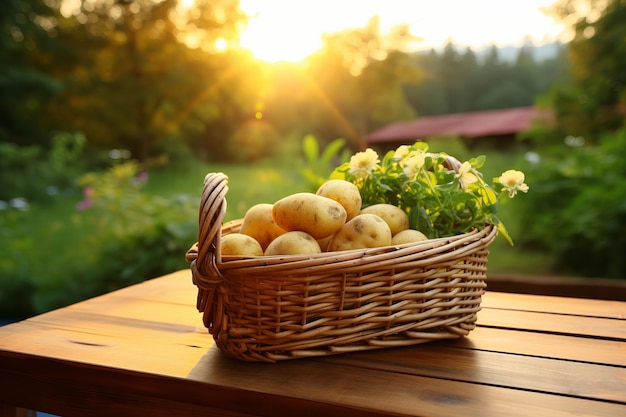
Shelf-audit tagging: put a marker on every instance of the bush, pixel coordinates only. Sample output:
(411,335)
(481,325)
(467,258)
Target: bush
(136,236)
(36,174)
(577,208)
(16,285)
(117,235)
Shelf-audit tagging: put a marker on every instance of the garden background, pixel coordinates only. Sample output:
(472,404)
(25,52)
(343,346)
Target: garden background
(110,118)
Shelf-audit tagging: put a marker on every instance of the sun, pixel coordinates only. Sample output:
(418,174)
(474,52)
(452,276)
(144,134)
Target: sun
(291,30)
(276,32)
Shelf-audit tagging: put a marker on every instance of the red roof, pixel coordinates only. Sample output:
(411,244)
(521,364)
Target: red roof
(467,125)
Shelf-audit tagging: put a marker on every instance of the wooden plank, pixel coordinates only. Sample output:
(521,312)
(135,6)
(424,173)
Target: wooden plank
(394,390)
(126,328)
(222,387)
(175,288)
(560,305)
(553,323)
(72,389)
(135,345)
(577,287)
(126,346)
(580,349)
(114,320)
(567,378)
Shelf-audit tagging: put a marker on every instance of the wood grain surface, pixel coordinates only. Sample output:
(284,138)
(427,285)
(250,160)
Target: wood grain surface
(144,351)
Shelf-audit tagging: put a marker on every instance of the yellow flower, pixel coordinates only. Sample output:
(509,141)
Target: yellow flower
(363,163)
(401,152)
(466,174)
(513,181)
(413,162)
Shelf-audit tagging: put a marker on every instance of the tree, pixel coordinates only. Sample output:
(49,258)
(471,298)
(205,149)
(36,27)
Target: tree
(455,81)
(27,29)
(137,66)
(381,91)
(594,101)
(354,83)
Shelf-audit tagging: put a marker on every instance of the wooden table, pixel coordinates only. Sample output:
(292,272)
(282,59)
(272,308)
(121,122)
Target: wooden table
(143,351)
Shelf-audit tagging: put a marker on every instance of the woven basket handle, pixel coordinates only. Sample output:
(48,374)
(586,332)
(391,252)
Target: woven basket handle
(204,256)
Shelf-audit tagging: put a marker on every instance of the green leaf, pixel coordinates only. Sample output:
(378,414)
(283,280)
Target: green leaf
(332,150)
(502,230)
(479,161)
(310,148)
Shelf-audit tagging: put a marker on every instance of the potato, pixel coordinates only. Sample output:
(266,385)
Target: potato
(240,245)
(394,216)
(363,231)
(408,236)
(345,193)
(259,224)
(293,243)
(311,213)
(323,242)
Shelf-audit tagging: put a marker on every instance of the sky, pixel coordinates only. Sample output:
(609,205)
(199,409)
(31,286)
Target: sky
(290,30)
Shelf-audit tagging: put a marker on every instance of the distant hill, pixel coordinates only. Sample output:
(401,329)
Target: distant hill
(509,53)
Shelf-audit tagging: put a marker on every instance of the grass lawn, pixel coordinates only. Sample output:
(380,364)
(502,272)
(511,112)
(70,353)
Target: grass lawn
(248,184)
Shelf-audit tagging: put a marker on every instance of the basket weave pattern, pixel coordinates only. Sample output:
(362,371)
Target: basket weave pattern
(275,308)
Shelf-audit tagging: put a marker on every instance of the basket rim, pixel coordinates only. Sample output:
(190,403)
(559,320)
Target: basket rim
(358,259)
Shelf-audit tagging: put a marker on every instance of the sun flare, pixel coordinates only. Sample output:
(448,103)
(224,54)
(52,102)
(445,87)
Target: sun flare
(291,30)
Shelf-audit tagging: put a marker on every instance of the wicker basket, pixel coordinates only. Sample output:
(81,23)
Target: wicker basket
(275,308)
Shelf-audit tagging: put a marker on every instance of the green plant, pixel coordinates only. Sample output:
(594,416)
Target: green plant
(319,163)
(577,210)
(16,285)
(37,174)
(441,196)
(132,236)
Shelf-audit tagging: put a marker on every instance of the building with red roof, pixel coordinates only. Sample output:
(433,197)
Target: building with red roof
(501,126)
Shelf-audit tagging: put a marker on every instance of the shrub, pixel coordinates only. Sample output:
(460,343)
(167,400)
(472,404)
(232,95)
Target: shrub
(16,286)
(577,209)
(36,174)
(125,236)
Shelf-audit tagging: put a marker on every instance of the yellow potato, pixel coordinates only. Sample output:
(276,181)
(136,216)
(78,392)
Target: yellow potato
(240,245)
(323,242)
(363,231)
(259,224)
(311,213)
(293,243)
(408,236)
(345,193)
(394,216)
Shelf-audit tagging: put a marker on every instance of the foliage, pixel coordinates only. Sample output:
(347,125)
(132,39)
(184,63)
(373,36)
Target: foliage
(593,101)
(27,86)
(319,164)
(577,209)
(149,77)
(441,197)
(128,227)
(133,236)
(137,73)
(35,174)
(26,28)
(349,87)
(122,208)
(459,81)
(16,283)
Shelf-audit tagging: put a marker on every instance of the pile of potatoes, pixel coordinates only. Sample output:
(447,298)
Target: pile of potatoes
(329,220)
